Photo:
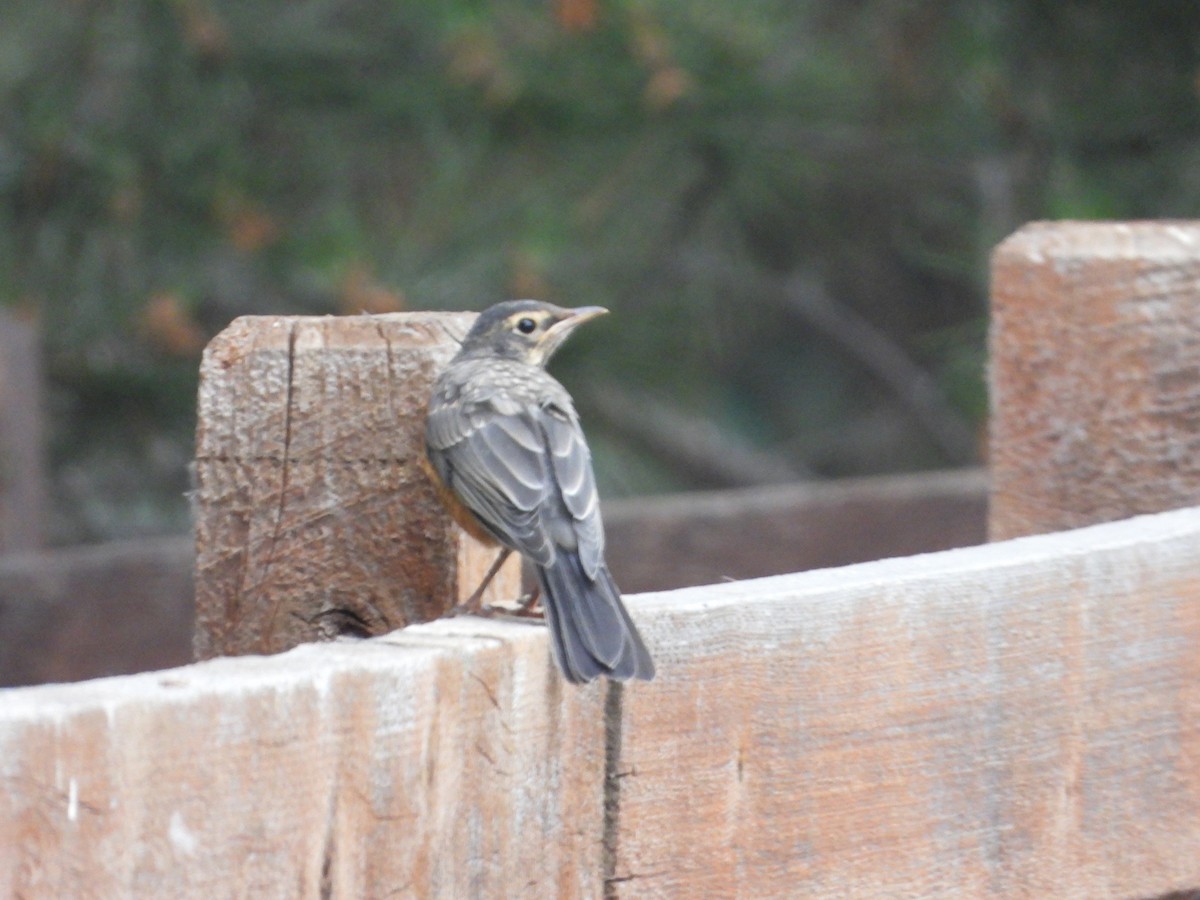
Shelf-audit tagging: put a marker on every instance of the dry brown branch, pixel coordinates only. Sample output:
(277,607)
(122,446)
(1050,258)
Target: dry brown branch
(692,445)
(914,387)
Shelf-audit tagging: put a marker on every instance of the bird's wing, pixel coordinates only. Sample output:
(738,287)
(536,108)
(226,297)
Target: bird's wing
(591,628)
(526,473)
(571,464)
(496,461)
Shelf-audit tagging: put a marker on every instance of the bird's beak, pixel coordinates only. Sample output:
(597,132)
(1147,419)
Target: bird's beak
(568,323)
(579,315)
(557,333)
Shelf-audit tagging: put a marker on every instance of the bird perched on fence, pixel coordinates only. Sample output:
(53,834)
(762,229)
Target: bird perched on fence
(504,440)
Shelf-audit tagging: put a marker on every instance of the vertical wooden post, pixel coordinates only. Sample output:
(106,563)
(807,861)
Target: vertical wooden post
(1095,374)
(314,515)
(22,477)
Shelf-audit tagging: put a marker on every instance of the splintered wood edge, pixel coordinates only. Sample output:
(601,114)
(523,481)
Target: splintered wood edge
(1062,242)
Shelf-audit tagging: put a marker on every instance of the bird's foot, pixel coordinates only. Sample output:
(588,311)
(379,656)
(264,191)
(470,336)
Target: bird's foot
(526,607)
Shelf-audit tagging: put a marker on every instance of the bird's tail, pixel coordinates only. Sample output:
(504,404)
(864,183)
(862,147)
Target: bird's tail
(591,629)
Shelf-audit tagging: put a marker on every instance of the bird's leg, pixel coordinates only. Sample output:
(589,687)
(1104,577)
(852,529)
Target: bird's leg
(472,604)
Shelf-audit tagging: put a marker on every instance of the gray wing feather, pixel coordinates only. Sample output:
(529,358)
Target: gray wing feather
(522,474)
(503,481)
(572,465)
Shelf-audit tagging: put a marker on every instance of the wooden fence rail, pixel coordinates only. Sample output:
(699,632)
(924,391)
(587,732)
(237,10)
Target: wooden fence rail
(1012,720)
(86,612)
(119,608)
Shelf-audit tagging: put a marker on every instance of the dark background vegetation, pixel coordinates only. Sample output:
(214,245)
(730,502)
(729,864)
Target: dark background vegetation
(788,206)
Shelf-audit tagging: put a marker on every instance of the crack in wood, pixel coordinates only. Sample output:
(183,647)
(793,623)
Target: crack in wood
(617,879)
(612,789)
(329,850)
(284,474)
(273,458)
(391,369)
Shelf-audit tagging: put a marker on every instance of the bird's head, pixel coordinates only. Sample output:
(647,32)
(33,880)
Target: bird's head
(527,331)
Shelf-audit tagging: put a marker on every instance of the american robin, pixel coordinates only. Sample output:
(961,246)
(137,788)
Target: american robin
(504,440)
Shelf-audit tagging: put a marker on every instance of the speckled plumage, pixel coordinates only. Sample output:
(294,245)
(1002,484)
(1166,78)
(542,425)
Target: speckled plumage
(504,438)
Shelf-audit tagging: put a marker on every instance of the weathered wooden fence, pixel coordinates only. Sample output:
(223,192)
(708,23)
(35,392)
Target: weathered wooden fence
(1011,720)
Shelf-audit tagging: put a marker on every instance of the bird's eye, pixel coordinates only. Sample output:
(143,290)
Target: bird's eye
(526,326)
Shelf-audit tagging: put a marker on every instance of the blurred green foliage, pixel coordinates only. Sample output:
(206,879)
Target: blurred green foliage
(708,170)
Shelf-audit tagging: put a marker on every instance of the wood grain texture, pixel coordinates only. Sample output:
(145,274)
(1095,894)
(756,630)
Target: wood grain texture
(1010,720)
(446,761)
(1013,720)
(314,512)
(1094,374)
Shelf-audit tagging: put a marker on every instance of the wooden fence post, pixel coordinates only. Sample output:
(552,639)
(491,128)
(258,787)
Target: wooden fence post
(22,476)
(1095,374)
(314,516)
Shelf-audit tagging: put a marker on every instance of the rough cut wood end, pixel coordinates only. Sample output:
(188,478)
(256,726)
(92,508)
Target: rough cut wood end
(314,514)
(1094,374)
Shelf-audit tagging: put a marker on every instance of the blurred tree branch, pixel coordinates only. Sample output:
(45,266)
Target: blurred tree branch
(691,445)
(807,299)
(236,158)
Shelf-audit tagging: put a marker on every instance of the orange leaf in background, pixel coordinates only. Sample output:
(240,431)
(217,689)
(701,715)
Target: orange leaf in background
(126,204)
(576,15)
(473,56)
(476,59)
(665,87)
(247,226)
(650,44)
(168,325)
(251,229)
(361,293)
(526,279)
(668,81)
(204,30)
